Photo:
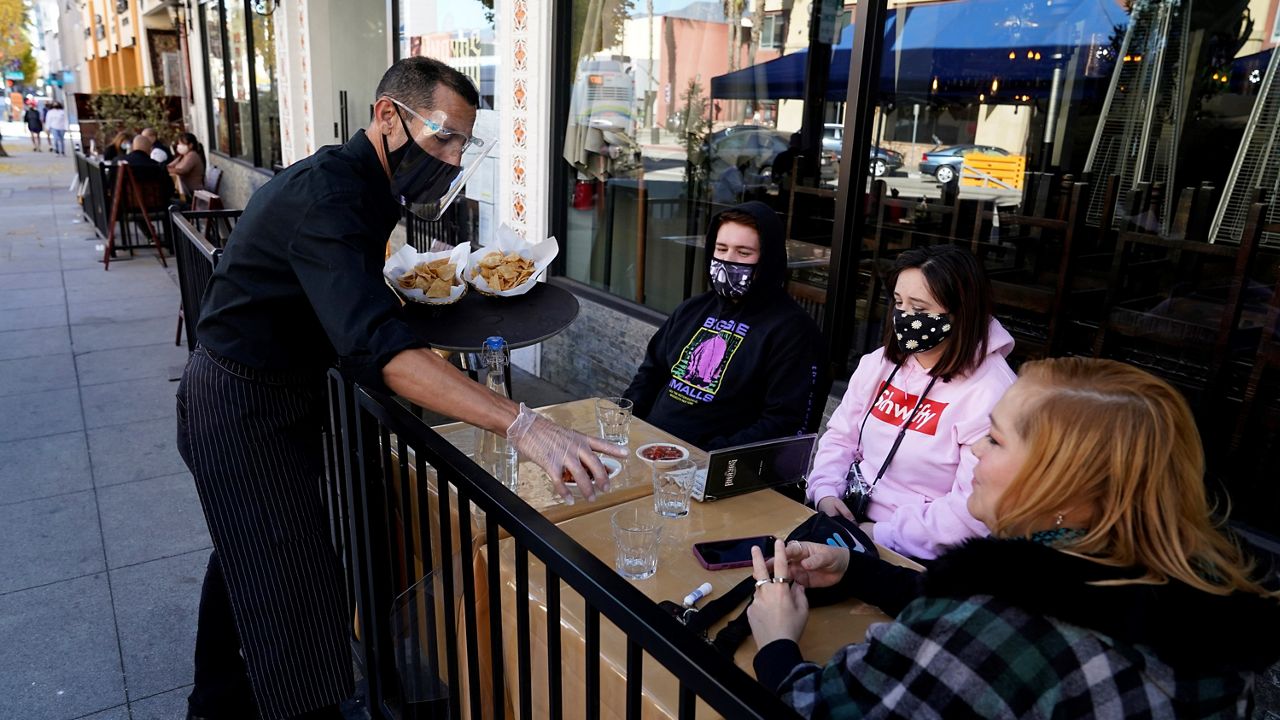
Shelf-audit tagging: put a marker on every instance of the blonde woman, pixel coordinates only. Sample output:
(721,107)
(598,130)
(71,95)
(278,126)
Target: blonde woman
(1105,589)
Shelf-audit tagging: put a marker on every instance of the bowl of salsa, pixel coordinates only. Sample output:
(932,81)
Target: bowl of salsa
(662,452)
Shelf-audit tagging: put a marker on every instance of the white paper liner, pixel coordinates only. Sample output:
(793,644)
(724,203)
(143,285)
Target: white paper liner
(406,259)
(507,240)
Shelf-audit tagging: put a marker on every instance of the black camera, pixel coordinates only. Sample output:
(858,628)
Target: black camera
(857,494)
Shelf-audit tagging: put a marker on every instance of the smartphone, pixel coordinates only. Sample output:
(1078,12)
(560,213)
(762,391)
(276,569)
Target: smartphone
(735,553)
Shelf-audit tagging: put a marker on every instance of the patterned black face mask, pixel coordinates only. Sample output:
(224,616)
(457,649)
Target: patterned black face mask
(731,280)
(920,332)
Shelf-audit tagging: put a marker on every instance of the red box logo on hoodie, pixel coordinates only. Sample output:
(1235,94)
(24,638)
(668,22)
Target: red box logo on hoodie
(894,406)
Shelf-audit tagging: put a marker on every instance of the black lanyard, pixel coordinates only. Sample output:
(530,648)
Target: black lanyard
(902,433)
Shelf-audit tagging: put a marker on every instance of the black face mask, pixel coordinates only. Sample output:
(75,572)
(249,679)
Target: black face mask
(418,177)
(920,332)
(731,280)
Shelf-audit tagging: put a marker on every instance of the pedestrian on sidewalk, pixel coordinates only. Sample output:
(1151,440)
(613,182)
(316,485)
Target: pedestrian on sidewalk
(34,124)
(299,289)
(56,121)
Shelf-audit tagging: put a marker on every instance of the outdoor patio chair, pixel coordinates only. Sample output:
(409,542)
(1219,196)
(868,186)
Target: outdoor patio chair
(142,196)
(1184,308)
(1030,262)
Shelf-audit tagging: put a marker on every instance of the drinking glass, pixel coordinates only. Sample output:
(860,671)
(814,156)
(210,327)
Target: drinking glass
(614,416)
(672,486)
(636,532)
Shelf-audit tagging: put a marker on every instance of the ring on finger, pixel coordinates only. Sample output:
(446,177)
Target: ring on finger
(766,581)
(780,580)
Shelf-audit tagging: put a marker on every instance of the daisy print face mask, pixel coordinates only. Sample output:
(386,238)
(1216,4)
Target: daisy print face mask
(920,332)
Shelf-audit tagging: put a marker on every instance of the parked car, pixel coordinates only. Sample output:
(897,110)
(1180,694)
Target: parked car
(882,160)
(755,146)
(944,163)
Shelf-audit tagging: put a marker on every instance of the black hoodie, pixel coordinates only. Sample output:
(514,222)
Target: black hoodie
(720,373)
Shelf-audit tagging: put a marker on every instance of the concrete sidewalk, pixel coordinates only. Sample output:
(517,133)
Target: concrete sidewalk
(104,543)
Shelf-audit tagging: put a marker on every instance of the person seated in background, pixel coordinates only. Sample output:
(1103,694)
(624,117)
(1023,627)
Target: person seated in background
(731,183)
(140,152)
(1106,589)
(895,449)
(159,151)
(118,148)
(784,162)
(740,362)
(189,164)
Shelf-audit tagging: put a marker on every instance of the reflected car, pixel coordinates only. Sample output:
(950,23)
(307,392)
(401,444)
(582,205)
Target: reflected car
(882,160)
(754,145)
(944,163)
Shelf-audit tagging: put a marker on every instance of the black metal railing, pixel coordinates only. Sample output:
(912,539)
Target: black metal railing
(391,537)
(198,238)
(96,200)
(459,224)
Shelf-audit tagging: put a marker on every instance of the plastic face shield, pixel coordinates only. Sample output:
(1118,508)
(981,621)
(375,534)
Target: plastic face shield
(455,146)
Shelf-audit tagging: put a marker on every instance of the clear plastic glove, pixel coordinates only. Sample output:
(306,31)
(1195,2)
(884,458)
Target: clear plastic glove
(558,450)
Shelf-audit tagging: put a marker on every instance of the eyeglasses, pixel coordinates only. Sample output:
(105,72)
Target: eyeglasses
(434,127)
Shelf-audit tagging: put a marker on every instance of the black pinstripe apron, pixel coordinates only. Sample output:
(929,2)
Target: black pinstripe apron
(252,439)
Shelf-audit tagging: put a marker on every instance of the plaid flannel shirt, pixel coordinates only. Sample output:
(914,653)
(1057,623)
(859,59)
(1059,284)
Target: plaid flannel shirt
(981,657)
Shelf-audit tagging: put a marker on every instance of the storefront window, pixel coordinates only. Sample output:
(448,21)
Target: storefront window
(671,120)
(1101,159)
(267,125)
(462,34)
(237,70)
(242,125)
(219,129)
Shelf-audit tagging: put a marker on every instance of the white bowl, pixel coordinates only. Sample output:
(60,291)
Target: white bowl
(613,466)
(684,452)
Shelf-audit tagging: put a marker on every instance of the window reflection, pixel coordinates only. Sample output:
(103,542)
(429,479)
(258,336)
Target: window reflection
(241,120)
(1103,158)
(462,34)
(218,119)
(671,121)
(267,124)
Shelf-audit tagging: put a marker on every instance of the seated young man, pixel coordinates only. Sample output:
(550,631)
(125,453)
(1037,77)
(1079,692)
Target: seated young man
(740,362)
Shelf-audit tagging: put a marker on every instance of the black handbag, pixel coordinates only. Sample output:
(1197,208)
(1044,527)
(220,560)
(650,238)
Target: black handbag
(819,528)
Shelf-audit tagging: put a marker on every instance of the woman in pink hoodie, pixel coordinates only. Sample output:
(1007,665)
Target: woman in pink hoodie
(901,433)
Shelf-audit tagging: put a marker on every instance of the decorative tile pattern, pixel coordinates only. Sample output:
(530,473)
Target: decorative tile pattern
(519,116)
(304,58)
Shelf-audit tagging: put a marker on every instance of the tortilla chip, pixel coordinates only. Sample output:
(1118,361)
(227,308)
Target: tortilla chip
(438,289)
(435,278)
(504,272)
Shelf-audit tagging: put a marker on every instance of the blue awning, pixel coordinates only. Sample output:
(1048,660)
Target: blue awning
(963,45)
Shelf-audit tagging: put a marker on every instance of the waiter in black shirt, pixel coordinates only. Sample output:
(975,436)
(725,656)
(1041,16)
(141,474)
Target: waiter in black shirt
(300,289)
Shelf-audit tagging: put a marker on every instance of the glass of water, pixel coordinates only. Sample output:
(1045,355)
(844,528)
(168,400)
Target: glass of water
(505,466)
(672,486)
(636,532)
(614,416)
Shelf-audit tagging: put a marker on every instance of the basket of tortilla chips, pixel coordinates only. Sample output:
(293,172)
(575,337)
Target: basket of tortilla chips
(510,265)
(432,278)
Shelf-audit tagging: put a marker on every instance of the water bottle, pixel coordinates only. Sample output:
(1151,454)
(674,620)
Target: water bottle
(493,452)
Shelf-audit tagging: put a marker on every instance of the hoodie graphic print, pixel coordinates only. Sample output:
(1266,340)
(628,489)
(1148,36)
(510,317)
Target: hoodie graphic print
(696,377)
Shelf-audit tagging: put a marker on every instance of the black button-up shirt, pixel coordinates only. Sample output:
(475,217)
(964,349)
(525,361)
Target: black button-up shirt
(300,282)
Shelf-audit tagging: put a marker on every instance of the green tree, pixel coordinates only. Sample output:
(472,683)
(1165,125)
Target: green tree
(733,15)
(697,129)
(598,24)
(14,44)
